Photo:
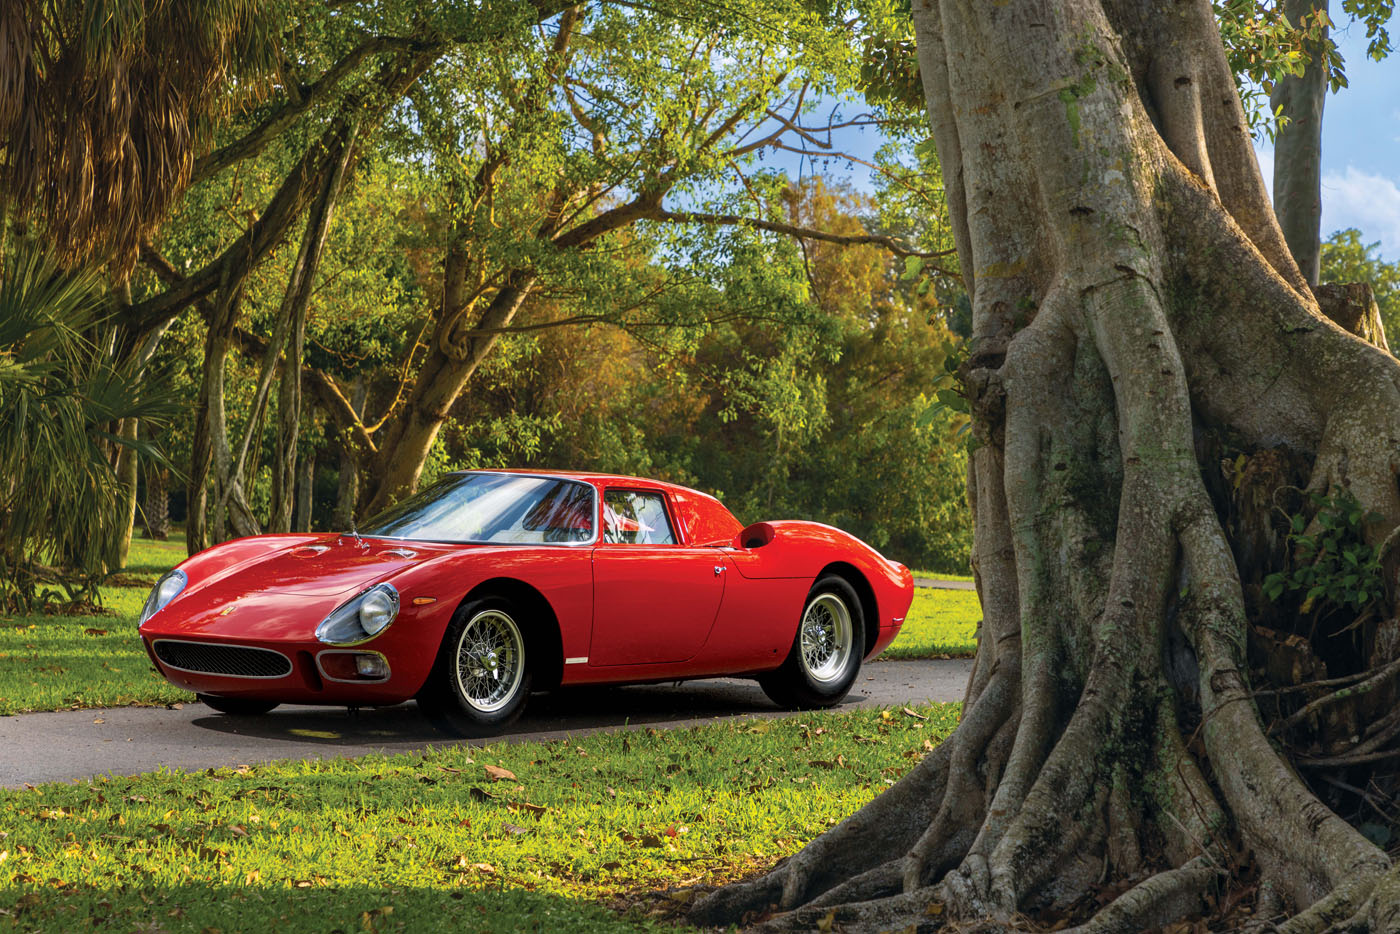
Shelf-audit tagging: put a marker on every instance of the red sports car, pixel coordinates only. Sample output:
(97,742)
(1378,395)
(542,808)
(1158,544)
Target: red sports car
(490,584)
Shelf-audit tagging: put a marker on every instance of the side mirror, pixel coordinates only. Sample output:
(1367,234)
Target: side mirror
(755,536)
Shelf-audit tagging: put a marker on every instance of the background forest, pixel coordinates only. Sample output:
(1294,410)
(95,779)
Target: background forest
(342,248)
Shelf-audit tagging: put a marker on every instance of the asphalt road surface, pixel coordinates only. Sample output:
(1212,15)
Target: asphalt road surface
(80,744)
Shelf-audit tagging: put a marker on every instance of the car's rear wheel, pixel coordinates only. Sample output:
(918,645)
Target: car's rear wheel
(826,652)
(481,679)
(237,706)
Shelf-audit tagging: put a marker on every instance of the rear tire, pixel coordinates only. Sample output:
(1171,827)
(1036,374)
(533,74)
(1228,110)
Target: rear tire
(481,679)
(237,706)
(826,652)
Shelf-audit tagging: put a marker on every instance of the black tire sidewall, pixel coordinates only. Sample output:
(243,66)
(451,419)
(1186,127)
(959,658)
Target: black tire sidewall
(442,701)
(791,685)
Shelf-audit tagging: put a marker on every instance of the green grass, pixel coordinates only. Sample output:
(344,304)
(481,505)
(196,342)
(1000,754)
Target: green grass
(940,623)
(54,662)
(151,558)
(51,662)
(435,842)
(940,576)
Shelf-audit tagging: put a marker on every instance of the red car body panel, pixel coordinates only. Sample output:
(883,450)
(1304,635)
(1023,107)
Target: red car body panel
(724,600)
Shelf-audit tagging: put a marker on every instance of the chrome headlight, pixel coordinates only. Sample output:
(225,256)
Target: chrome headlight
(360,618)
(165,590)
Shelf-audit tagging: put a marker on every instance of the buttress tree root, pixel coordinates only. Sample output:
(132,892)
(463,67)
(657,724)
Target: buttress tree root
(1156,394)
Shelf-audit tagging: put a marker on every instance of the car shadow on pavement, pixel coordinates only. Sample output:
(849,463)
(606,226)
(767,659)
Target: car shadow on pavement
(547,716)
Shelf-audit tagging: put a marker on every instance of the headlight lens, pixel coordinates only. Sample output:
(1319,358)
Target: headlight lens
(378,609)
(361,618)
(165,590)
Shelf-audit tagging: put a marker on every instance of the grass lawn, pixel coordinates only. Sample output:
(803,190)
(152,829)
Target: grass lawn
(49,662)
(940,576)
(529,837)
(940,622)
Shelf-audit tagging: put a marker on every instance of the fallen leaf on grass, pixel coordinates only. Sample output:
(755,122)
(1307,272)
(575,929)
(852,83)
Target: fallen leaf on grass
(913,713)
(95,632)
(500,774)
(238,830)
(480,794)
(465,865)
(652,840)
(514,829)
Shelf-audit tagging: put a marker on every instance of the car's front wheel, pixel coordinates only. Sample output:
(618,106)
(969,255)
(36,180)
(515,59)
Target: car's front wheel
(481,679)
(826,652)
(236,706)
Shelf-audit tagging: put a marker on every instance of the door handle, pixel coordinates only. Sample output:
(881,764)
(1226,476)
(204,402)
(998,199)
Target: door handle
(719,569)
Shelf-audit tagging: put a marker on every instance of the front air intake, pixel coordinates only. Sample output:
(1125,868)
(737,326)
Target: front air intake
(233,661)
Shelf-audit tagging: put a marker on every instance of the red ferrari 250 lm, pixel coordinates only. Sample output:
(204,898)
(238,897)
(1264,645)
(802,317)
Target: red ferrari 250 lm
(490,584)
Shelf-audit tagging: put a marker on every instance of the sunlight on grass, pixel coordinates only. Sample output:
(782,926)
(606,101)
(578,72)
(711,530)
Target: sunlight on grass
(940,622)
(940,576)
(436,842)
(55,662)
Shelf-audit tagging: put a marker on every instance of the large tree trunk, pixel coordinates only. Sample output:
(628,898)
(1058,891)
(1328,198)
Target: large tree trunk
(450,363)
(1298,100)
(1152,383)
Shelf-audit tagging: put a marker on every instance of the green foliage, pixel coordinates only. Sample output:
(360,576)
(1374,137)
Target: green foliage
(60,401)
(436,842)
(1333,566)
(1263,46)
(1345,258)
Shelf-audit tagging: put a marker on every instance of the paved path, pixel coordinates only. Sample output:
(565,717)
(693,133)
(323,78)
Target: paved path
(79,744)
(941,584)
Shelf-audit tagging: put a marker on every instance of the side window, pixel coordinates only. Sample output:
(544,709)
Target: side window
(631,518)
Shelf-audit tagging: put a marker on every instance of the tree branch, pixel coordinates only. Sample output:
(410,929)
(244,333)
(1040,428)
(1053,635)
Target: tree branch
(274,124)
(802,233)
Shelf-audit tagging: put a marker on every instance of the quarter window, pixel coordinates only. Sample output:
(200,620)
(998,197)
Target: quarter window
(631,518)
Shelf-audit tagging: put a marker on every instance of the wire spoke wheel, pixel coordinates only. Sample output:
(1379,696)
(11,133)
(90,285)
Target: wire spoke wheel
(825,638)
(490,661)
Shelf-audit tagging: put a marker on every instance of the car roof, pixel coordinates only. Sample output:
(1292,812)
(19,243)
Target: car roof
(592,477)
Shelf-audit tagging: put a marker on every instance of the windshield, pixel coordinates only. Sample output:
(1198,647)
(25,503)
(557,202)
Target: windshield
(492,507)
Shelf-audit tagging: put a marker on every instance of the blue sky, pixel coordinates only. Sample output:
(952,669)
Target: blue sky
(1360,148)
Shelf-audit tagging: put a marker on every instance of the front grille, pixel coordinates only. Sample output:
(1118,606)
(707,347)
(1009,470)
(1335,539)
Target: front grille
(237,661)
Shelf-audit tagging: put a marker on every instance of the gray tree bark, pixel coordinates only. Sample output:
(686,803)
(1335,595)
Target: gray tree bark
(1299,100)
(306,492)
(348,482)
(1139,325)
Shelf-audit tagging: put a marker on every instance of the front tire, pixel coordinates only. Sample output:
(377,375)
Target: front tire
(236,706)
(481,679)
(826,652)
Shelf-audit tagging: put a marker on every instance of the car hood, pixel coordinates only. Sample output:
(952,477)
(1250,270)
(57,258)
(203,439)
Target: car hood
(334,565)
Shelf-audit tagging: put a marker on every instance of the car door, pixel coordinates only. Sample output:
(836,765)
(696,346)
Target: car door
(655,598)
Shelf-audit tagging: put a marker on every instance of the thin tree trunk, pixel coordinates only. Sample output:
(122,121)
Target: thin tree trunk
(306,492)
(1298,146)
(127,466)
(295,302)
(155,508)
(216,344)
(348,485)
